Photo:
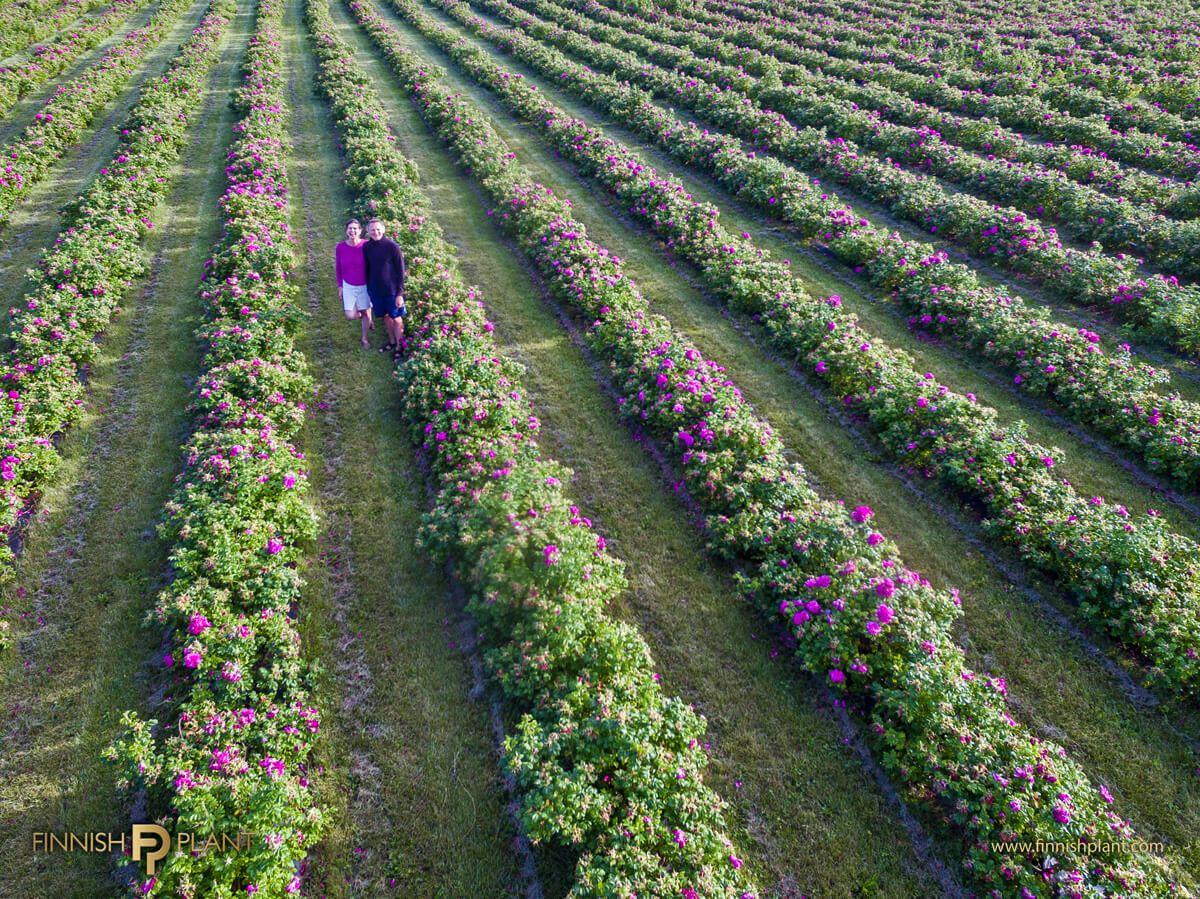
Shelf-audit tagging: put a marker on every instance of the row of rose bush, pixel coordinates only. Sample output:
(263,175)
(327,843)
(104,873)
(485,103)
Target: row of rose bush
(760,53)
(23,28)
(1048,51)
(989,36)
(921,80)
(605,764)
(737,271)
(60,122)
(229,749)
(861,619)
(77,287)
(1038,99)
(888,121)
(999,65)
(1055,28)
(1082,157)
(50,58)
(1110,393)
(730,99)
(978,70)
(1005,236)
(1039,55)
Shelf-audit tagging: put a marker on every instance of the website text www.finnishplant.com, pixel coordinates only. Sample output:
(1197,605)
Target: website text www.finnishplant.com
(1076,847)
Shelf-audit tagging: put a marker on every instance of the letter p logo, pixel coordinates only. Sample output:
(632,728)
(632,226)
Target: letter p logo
(146,836)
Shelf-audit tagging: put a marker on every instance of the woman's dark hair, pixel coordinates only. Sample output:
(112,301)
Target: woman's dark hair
(354,222)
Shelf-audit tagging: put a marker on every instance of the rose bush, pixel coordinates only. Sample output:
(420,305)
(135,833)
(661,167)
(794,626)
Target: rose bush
(997,467)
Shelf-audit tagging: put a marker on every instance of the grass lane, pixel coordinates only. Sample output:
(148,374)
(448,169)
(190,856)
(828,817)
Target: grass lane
(92,563)
(1060,690)
(410,764)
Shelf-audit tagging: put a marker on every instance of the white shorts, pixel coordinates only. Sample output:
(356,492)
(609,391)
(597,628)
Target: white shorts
(355,296)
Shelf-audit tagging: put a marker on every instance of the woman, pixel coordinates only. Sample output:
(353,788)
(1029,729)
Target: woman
(350,270)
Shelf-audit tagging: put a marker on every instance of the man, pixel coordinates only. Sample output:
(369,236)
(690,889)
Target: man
(385,284)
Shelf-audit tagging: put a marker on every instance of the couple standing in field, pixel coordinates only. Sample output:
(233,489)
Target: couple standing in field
(370,277)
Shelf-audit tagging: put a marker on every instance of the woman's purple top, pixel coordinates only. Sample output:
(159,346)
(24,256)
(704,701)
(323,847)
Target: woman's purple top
(349,265)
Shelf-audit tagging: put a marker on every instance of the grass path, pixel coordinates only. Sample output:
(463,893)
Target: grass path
(36,220)
(92,562)
(1060,691)
(410,765)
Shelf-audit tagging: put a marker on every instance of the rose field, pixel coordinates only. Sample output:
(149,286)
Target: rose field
(789,485)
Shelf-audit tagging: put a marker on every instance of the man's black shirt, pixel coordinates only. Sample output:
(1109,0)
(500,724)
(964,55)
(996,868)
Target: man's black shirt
(385,267)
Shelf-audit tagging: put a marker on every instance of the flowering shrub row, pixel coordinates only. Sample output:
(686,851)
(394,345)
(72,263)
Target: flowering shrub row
(811,100)
(1062,37)
(1003,235)
(51,57)
(605,763)
(1133,147)
(857,82)
(761,54)
(1074,41)
(1140,85)
(1152,137)
(876,629)
(59,123)
(904,412)
(1110,393)
(80,280)
(23,28)
(230,750)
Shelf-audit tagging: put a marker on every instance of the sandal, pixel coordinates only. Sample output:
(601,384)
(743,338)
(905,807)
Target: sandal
(387,348)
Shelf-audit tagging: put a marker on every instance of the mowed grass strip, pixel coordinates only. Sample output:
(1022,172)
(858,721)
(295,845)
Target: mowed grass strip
(92,562)
(798,795)
(410,766)
(1058,688)
(35,221)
